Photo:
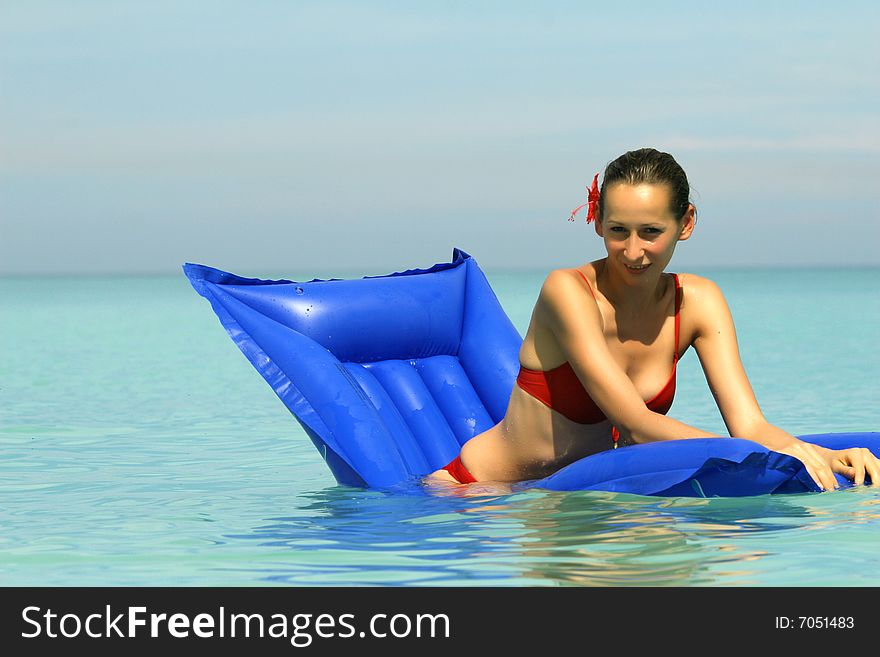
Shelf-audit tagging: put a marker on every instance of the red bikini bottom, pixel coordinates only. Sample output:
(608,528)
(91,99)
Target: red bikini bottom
(459,472)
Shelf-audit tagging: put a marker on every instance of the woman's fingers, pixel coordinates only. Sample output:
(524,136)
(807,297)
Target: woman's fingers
(817,467)
(872,465)
(849,463)
(858,462)
(815,475)
(864,463)
(847,471)
(855,464)
(827,480)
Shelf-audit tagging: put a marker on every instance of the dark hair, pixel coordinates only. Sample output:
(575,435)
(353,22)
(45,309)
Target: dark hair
(652,167)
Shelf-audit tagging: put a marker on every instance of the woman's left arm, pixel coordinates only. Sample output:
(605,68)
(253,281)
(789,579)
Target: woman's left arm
(716,345)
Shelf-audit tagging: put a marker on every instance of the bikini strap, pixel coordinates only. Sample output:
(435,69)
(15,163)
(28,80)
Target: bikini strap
(677,308)
(589,287)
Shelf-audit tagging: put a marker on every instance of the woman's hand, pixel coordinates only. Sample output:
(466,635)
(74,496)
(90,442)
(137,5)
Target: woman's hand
(854,463)
(821,463)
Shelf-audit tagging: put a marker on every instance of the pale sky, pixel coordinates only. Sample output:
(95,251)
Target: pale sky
(280,136)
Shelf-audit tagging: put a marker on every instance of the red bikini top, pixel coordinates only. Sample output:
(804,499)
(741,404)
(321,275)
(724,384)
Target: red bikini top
(561,390)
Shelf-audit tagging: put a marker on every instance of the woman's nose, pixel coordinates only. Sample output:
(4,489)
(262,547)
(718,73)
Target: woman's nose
(633,249)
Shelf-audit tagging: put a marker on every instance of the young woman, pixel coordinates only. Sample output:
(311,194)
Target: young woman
(598,363)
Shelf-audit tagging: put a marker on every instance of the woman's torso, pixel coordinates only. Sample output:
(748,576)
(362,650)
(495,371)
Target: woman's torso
(534,440)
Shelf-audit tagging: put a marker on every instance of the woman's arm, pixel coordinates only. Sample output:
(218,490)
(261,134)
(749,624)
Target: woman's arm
(573,317)
(571,314)
(717,349)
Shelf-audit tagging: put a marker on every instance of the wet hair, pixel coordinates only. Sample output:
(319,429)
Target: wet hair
(648,166)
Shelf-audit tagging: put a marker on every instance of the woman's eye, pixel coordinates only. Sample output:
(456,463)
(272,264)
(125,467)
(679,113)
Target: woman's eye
(650,230)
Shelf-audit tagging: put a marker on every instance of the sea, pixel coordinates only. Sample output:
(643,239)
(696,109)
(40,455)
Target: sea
(140,448)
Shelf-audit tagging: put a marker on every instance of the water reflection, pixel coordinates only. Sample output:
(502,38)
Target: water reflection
(494,536)
(607,539)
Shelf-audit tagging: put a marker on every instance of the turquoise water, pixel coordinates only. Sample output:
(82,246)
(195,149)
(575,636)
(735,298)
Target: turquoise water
(141,448)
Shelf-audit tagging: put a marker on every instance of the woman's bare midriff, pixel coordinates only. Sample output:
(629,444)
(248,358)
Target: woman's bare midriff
(537,443)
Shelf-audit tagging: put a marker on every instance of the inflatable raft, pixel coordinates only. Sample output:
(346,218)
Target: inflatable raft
(390,375)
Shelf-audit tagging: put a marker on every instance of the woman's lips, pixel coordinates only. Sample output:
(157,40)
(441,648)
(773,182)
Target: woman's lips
(637,271)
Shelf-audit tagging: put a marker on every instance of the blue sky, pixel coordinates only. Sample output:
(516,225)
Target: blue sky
(320,137)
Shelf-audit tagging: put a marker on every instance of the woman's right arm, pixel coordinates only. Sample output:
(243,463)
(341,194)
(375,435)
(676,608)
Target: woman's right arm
(570,313)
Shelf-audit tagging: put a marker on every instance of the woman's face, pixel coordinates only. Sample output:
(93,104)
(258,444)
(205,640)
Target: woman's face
(639,229)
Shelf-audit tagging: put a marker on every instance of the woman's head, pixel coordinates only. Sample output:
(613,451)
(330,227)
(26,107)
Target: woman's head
(643,211)
(648,166)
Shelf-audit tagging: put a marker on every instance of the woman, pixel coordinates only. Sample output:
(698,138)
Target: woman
(605,337)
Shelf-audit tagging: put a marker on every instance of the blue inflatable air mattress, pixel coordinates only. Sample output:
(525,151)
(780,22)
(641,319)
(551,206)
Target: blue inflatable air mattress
(390,375)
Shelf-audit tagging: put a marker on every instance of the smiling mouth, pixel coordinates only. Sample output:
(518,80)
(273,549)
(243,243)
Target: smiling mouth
(641,268)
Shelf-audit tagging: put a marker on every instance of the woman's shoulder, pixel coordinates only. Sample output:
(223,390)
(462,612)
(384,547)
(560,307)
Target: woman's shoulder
(578,273)
(567,290)
(702,300)
(697,287)
(567,281)
(566,299)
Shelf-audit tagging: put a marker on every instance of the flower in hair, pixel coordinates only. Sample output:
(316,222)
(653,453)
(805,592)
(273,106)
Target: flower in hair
(592,202)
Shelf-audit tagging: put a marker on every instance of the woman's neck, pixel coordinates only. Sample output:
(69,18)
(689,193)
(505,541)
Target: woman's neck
(630,300)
